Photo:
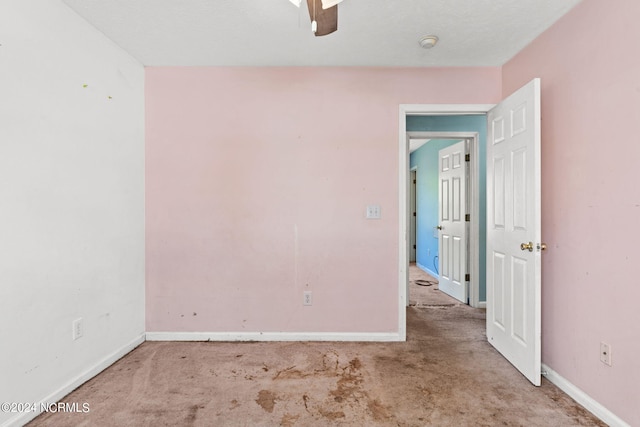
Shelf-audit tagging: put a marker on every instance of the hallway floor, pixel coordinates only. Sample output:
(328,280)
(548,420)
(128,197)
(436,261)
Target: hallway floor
(445,374)
(424,291)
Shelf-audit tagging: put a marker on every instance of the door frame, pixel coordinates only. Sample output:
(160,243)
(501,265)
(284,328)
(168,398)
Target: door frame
(413,201)
(403,194)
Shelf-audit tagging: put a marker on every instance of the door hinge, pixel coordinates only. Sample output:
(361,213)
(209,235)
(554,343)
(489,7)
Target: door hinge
(467,277)
(414,214)
(467,157)
(467,217)
(414,181)
(414,246)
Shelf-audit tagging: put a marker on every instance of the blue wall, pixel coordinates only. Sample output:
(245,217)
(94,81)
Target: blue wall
(426,160)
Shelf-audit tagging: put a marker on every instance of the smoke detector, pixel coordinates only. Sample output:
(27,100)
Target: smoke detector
(427,42)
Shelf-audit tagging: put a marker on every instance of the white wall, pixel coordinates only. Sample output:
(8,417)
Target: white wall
(71,201)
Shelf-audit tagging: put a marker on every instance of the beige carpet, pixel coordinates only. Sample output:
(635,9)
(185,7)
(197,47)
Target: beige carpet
(446,374)
(424,291)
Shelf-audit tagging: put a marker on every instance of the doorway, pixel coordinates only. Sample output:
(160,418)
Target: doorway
(404,194)
(429,236)
(441,228)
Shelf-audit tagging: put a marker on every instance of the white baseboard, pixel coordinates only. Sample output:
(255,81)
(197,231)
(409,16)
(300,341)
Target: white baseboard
(273,336)
(583,399)
(481,304)
(428,270)
(23,418)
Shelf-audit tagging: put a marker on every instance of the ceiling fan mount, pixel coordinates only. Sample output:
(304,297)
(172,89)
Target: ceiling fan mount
(323,14)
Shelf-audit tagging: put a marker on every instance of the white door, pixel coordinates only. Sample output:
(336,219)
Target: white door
(412,217)
(451,218)
(513,229)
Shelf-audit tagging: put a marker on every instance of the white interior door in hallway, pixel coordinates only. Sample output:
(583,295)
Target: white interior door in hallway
(514,230)
(452,227)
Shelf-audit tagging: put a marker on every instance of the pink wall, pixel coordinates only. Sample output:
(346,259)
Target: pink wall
(589,63)
(257,181)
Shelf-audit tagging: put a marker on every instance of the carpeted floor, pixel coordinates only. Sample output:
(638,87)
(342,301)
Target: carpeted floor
(445,374)
(423,290)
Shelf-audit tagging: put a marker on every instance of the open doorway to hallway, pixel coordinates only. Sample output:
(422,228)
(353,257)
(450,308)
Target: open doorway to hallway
(439,208)
(435,247)
(422,118)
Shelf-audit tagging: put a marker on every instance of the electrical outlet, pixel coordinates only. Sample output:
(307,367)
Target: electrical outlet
(307,298)
(77,328)
(374,212)
(605,353)
(428,252)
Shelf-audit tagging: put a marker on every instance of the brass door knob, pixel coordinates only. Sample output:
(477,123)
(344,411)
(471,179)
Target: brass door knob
(526,246)
(542,246)
(439,227)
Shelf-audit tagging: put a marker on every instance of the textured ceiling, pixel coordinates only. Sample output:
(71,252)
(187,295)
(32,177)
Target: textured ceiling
(276,33)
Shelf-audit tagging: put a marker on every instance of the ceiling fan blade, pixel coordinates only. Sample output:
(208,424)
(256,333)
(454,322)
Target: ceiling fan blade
(327,19)
(326,4)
